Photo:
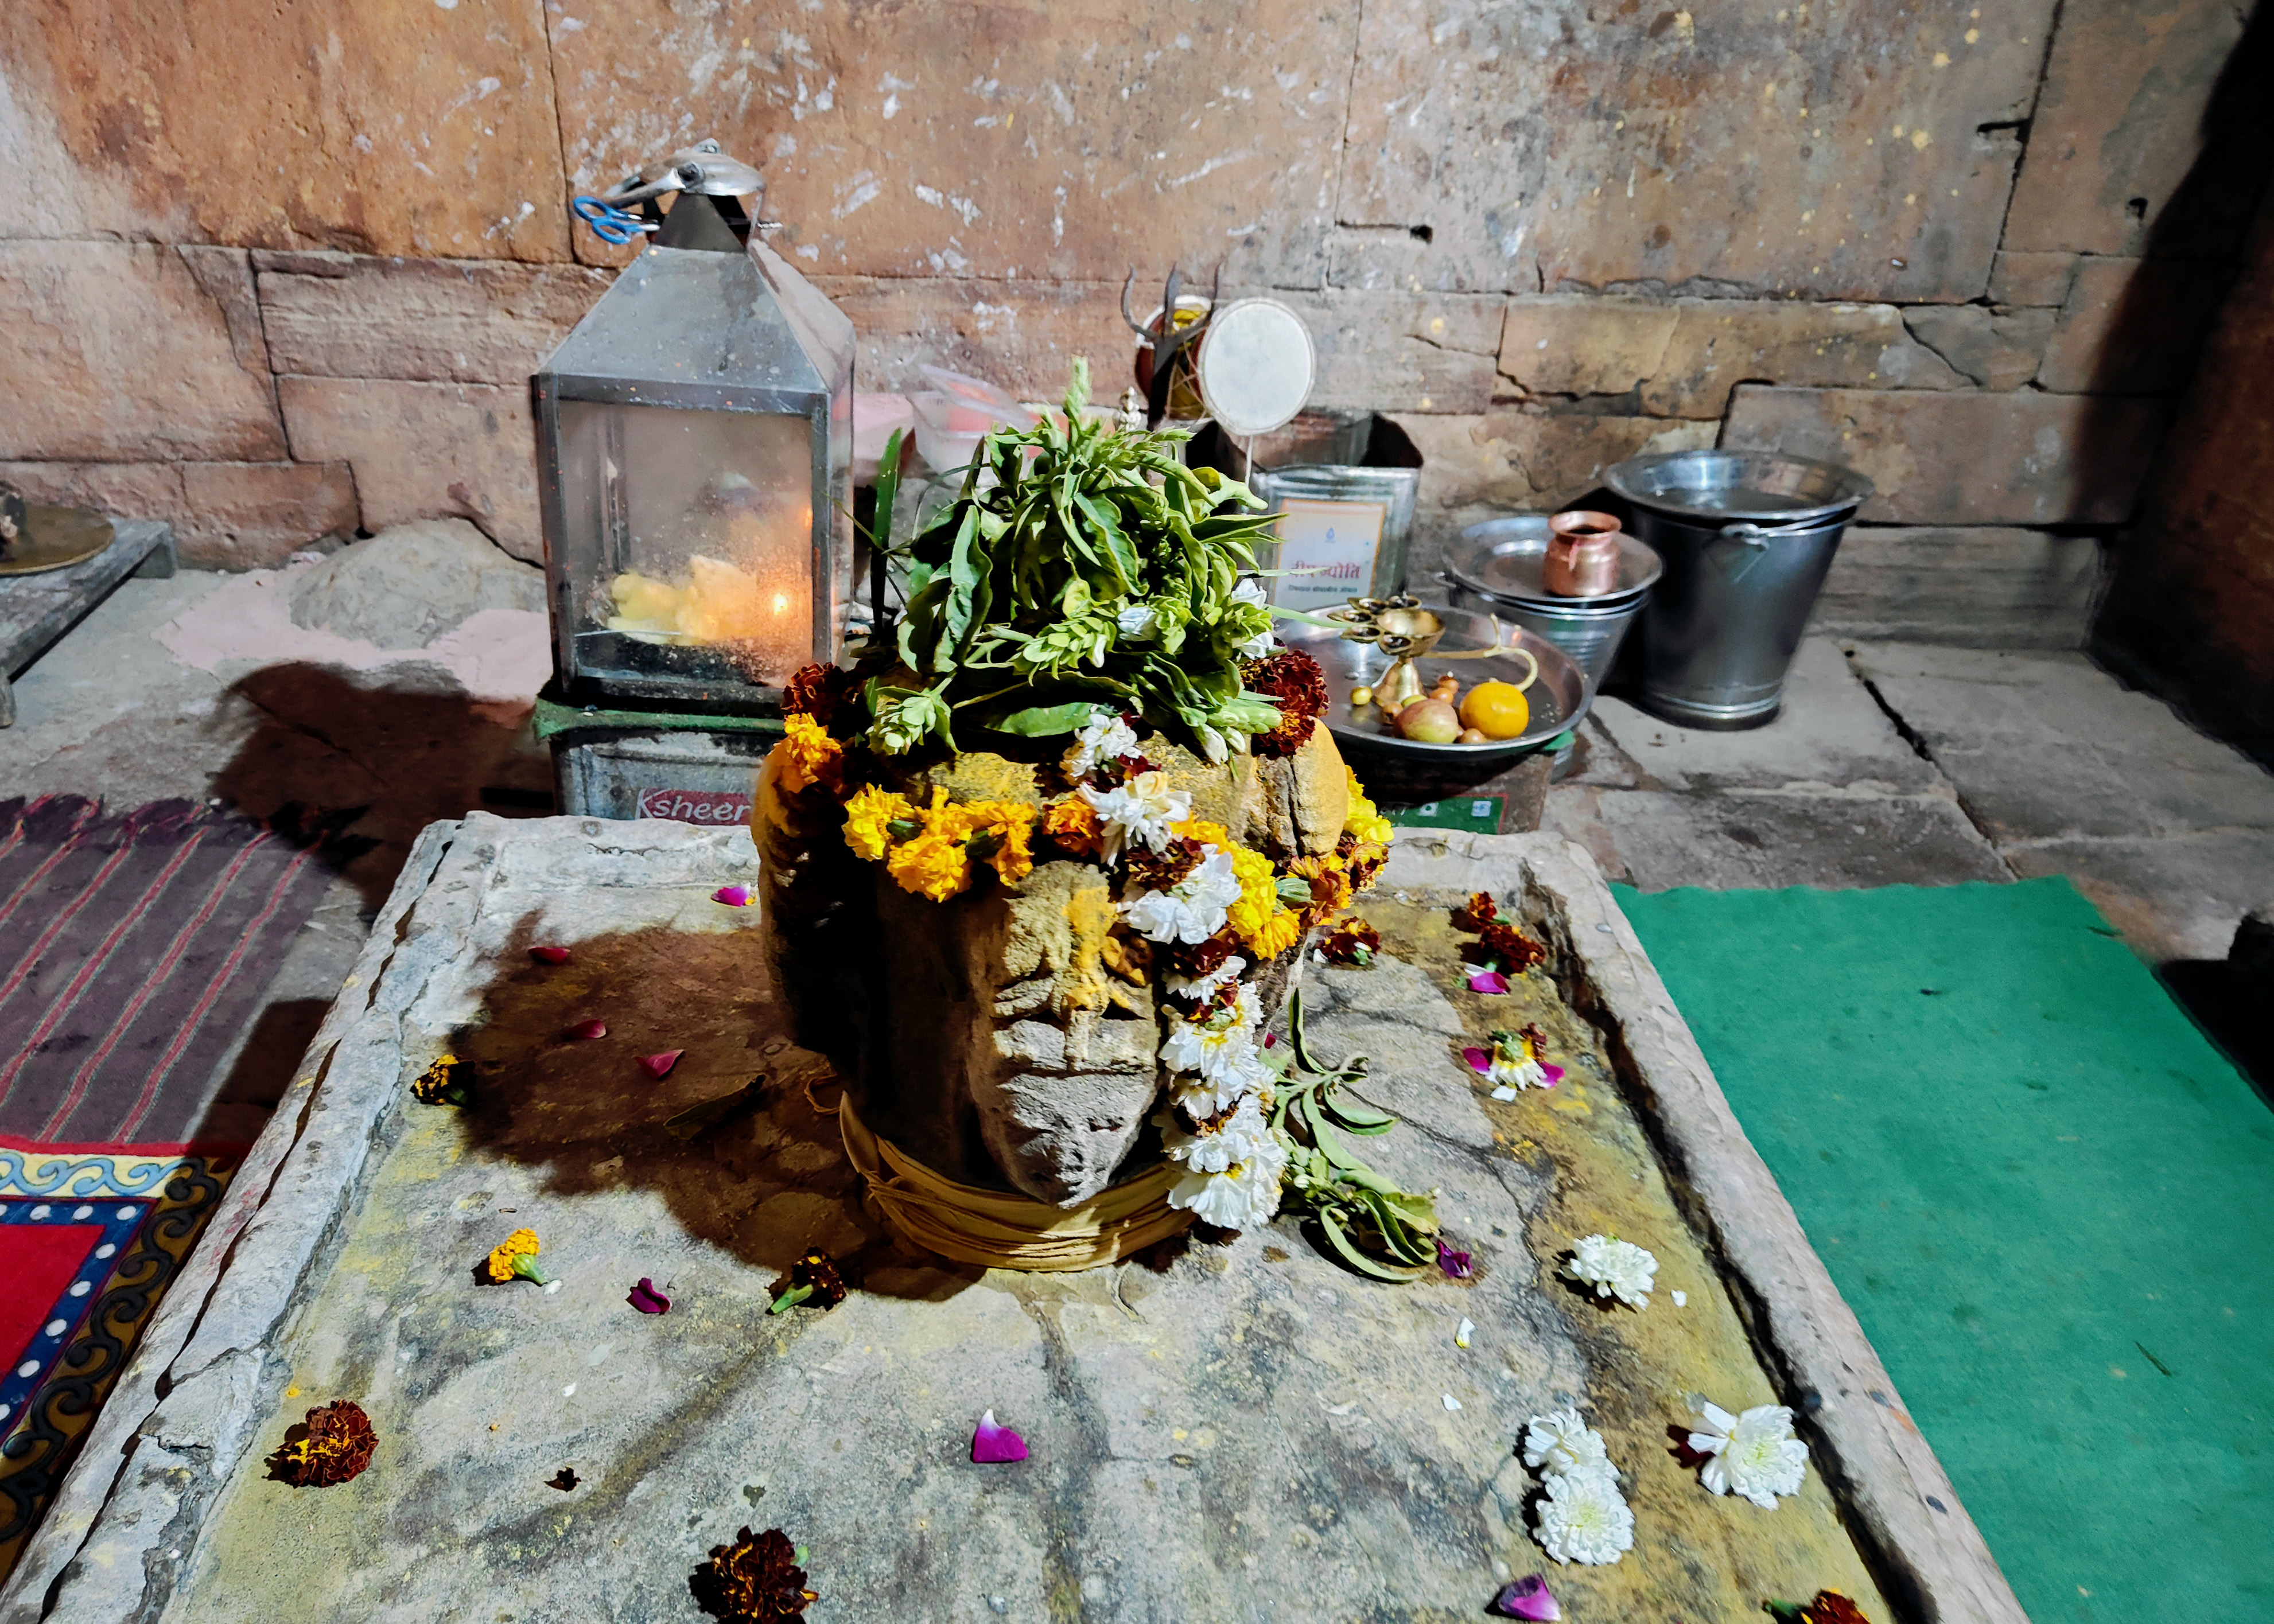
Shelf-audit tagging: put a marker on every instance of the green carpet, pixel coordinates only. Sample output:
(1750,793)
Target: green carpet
(2050,1201)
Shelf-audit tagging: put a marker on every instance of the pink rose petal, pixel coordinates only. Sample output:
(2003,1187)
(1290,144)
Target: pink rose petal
(647,1299)
(1553,1073)
(991,1444)
(549,955)
(659,1065)
(733,896)
(1528,1598)
(588,1029)
(1487,981)
(1479,1060)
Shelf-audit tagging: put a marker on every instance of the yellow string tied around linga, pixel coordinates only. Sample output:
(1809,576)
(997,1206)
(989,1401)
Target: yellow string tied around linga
(997,1229)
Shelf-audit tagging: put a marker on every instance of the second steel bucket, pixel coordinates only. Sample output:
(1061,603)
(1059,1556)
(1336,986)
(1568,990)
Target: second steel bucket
(1747,537)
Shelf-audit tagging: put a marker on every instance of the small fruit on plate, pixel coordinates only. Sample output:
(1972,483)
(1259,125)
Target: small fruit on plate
(1470,735)
(1429,721)
(1496,709)
(1361,697)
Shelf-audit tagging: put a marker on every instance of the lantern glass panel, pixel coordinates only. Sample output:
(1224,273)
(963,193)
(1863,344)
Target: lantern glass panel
(700,526)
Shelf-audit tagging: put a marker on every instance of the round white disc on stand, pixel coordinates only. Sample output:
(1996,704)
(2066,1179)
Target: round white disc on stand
(1255,366)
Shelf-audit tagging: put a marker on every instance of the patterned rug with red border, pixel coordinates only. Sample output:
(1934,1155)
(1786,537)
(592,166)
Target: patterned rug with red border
(135,949)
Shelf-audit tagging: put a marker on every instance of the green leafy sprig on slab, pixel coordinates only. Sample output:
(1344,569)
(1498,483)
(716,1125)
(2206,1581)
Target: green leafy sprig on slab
(1082,568)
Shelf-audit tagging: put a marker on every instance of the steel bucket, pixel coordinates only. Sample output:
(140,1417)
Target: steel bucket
(1747,539)
(1494,570)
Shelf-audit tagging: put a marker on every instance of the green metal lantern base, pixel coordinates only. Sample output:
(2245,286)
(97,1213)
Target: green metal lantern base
(619,763)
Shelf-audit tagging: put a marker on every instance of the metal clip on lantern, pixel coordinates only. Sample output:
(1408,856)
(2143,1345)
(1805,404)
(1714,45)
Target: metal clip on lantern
(701,170)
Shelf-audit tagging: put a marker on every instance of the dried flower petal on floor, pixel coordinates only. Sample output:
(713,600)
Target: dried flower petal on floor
(515,1258)
(1352,942)
(447,1081)
(993,1444)
(1456,1265)
(1829,1607)
(1527,1598)
(813,1278)
(549,955)
(564,1479)
(755,1581)
(733,896)
(659,1066)
(1488,982)
(585,1030)
(337,1444)
(647,1299)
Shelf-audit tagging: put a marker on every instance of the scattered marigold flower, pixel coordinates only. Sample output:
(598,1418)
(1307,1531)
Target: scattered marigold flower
(647,1299)
(549,955)
(1516,951)
(755,1581)
(993,1443)
(1527,1598)
(587,1029)
(338,1446)
(1456,1265)
(447,1081)
(517,1255)
(1071,824)
(809,756)
(1487,981)
(1352,942)
(1477,912)
(1292,681)
(1829,1607)
(659,1066)
(1330,882)
(564,1479)
(733,896)
(813,1278)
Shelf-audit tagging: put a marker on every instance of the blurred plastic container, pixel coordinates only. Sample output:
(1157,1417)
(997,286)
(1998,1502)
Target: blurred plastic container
(875,417)
(956,413)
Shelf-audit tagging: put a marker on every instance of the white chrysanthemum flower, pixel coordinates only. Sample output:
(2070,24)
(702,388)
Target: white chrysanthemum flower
(1243,1073)
(1134,622)
(1139,811)
(1200,988)
(1584,1519)
(1240,1196)
(1559,1441)
(1754,1454)
(1107,738)
(1193,912)
(1510,1064)
(1240,1136)
(1220,1050)
(1615,1268)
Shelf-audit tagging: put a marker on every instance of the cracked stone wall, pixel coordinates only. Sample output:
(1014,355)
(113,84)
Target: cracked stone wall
(277,276)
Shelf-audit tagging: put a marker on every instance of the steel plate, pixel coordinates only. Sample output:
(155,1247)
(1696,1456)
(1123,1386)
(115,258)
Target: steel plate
(1558,699)
(56,538)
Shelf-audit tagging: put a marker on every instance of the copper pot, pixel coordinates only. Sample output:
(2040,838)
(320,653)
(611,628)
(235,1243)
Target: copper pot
(1583,555)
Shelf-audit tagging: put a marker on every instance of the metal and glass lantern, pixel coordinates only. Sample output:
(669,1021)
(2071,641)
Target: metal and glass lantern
(694,436)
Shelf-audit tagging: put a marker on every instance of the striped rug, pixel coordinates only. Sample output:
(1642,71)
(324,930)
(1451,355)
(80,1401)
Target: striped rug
(134,948)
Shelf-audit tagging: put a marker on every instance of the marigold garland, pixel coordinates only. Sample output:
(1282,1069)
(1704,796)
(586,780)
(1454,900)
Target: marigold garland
(809,756)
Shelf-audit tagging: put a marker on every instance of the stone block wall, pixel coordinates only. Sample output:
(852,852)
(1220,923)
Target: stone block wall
(285,273)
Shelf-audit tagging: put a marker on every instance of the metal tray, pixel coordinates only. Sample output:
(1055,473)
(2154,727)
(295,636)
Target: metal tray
(1504,558)
(1558,699)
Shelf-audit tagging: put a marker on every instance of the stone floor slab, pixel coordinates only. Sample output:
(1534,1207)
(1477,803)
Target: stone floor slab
(1224,1431)
(1831,731)
(2177,898)
(1754,839)
(2047,745)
